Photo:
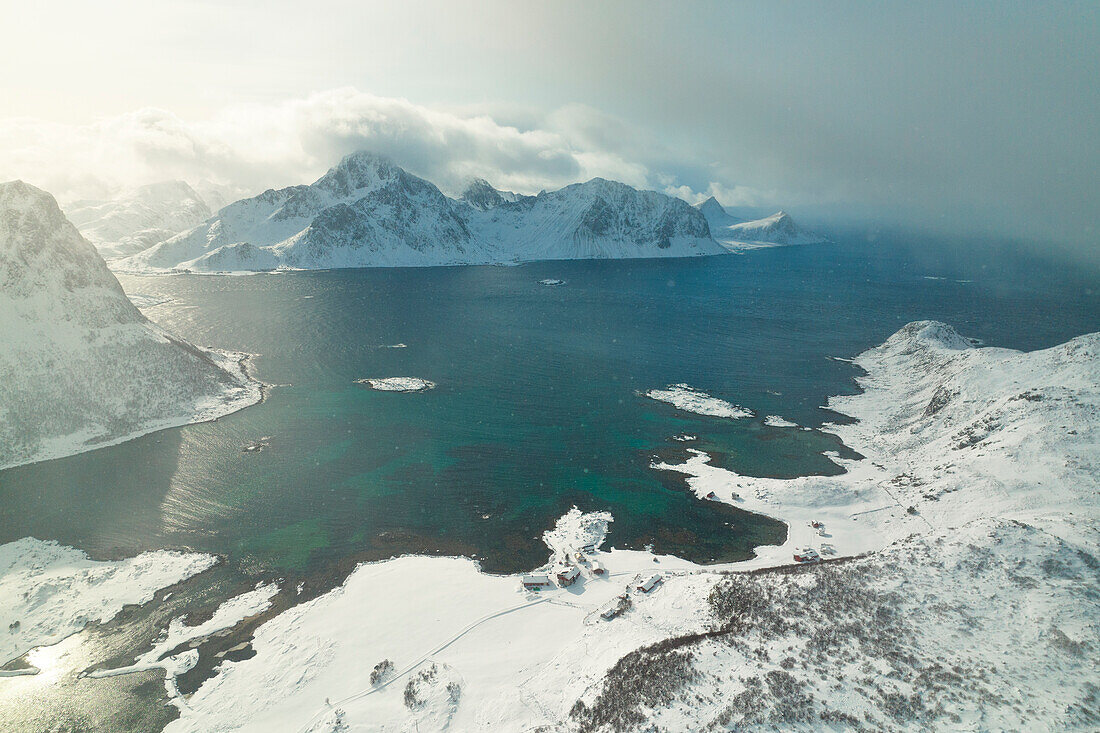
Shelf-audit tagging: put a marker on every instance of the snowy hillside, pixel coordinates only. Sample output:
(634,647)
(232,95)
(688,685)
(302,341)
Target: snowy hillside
(139,218)
(979,499)
(968,601)
(367,212)
(735,234)
(81,367)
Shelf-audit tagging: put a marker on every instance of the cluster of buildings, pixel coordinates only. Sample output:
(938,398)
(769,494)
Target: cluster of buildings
(566,572)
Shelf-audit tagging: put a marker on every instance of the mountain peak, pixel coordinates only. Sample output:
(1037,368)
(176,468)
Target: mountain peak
(39,247)
(716,215)
(934,333)
(481,195)
(19,193)
(26,208)
(363,158)
(361,169)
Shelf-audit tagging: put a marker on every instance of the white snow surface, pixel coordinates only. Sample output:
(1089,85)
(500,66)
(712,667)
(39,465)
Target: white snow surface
(81,367)
(995,450)
(576,530)
(777,421)
(687,398)
(397,384)
(367,212)
(138,218)
(51,591)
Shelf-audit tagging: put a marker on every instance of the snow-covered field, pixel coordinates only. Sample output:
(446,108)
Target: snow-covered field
(48,591)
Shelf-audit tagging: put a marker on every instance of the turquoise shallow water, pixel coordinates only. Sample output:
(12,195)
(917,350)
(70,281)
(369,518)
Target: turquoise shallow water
(539,404)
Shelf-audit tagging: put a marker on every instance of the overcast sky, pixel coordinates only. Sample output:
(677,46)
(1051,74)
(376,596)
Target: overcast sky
(981,117)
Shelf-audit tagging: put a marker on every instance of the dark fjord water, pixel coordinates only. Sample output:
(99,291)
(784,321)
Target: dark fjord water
(538,405)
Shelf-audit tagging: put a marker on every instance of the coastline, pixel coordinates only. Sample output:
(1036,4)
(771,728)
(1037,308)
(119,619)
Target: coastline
(514,659)
(248,391)
(476,651)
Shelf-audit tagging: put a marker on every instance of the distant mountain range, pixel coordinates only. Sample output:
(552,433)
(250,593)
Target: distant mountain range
(368,212)
(138,218)
(737,234)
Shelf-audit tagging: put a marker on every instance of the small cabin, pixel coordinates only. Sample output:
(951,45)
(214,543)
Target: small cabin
(610,612)
(597,569)
(568,575)
(535,582)
(712,496)
(649,583)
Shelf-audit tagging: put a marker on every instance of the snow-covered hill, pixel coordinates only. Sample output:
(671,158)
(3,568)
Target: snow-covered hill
(367,212)
(80,366)
(736,235)
(138,218)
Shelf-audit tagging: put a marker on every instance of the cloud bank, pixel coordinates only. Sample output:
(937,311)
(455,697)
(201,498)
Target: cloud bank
(246,149)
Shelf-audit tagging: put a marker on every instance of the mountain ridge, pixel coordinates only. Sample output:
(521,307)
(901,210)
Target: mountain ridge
(367,211)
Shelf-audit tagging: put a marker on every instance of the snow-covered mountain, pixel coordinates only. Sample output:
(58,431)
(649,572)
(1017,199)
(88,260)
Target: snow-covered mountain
(368,212)
(482,196)
(736,234)
(80,366)
(595,220)
(716,215)
(138,218)
(779,228)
